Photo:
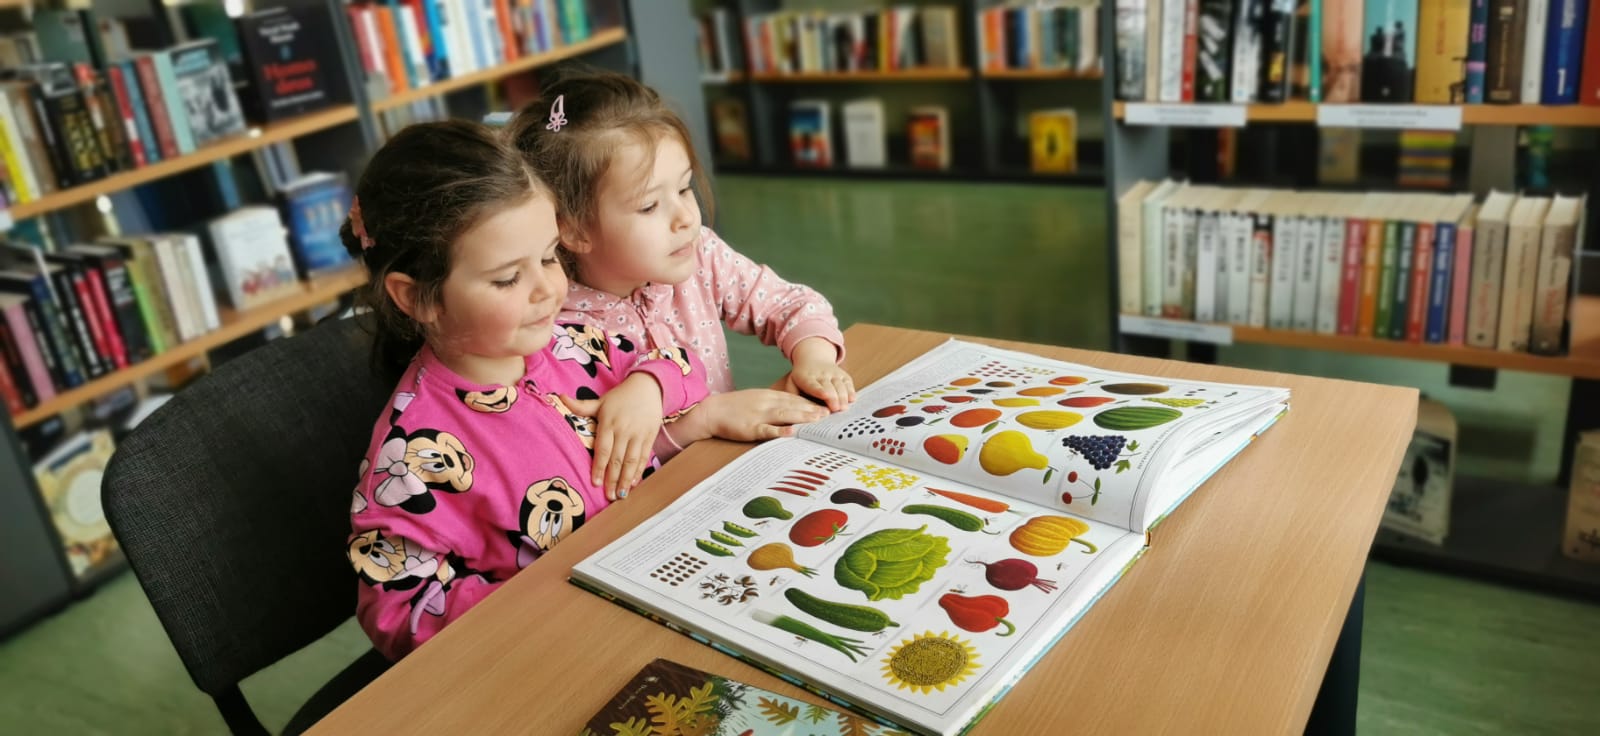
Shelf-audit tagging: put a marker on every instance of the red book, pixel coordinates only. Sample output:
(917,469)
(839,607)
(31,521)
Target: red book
(1421,274)
(155,99)
(1589,89)
(91,317)
(119,89)
(364,41)
(1191,27)
(502,11)
(108,320)
(9,393)
(1355,243)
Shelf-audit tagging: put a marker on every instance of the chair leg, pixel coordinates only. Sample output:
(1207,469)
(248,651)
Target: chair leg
(237,714)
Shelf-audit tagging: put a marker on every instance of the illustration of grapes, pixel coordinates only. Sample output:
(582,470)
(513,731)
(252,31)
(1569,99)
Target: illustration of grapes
(929,661)
(1101,452)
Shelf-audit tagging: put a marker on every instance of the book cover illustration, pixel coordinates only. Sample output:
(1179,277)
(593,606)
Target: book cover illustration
(1419,505)
(207,92)
(732,127)
(928,133)
(810,135)
(1391,57)
(1215,51)
(290,56)
(314,207)
(1442,54)
(1053,135)
(1341,51)
(913,556)
(69,480)
(1278,41)
(670,699)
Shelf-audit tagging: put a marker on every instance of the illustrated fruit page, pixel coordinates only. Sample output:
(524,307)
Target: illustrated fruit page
(1061,435)
(884,585)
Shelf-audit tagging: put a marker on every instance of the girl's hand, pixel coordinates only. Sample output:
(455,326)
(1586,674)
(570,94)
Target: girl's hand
(627,420)
(817,373)
(751,415)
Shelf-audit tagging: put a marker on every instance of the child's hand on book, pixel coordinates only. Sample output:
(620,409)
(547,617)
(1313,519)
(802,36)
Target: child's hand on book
(751,415)
(627,420)
(817,374)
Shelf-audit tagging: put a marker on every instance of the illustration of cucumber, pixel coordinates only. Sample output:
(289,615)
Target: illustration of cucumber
(713,548)
(726,539)
(737,530)
(954,517)
(858,618)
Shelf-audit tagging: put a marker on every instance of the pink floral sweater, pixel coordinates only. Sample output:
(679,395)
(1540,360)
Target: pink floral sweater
(465,484)
(727,288)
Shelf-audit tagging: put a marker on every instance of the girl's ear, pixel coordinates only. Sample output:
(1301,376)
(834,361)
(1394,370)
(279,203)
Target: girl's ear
(574,239)
(404,291)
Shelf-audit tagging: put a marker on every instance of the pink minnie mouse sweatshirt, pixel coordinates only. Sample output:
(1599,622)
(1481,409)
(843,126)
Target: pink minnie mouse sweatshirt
(465,484)
(725,288)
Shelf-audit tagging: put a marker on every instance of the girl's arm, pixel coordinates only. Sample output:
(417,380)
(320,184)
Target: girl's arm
(407,593)
(754,300)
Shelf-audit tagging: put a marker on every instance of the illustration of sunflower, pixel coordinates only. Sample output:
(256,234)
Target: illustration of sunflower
(930,661)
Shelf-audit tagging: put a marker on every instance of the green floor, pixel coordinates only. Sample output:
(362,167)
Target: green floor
(1442,655)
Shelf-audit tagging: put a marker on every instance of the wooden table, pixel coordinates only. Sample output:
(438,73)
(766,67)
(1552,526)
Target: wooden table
(1225,626)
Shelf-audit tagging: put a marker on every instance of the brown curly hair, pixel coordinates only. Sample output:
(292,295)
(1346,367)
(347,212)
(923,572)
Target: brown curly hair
(426,186)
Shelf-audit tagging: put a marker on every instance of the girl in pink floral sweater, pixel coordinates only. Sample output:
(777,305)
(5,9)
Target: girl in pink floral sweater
(642,265)
(478,466)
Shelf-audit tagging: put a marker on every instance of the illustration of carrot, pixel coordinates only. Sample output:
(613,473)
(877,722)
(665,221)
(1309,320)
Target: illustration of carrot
(977,502)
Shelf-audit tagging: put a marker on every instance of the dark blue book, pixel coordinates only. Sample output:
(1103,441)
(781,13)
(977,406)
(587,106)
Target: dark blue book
(1477,51)
(1402,289)
(1444,256)
(313,208)
(1563,52)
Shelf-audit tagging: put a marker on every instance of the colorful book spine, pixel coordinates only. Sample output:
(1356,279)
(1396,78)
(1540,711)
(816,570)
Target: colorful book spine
(1191,31)
(177,117)
(1387,281)
(11,345)
(138,146)
(1507,26)
(1589,89)
(1477,51)
(1371,277)
(1352,274)
(1461,284)
(33,355)
(1563,52)
(1442,43)
(1444,246)
(1421,274)
(1277,49)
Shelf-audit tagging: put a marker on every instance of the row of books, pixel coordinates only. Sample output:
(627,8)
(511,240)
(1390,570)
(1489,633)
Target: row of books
(87,310)
(811,135)
(1344,51)
(890,39)
(413,43)
(1056,34)
(1424,268)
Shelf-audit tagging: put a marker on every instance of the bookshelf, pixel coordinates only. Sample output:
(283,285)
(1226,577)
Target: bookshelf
(1300,111)
(255,137)
(600,40)
(1524,520)
(1040,74)
(956,74)
(235,324)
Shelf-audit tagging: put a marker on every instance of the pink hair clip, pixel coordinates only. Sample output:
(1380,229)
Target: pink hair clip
(357,226)
(558,114)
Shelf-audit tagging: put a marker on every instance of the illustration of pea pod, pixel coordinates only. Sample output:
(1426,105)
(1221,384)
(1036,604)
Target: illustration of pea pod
(713,548)
(954,517)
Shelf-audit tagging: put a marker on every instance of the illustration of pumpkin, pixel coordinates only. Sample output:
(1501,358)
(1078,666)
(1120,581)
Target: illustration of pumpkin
(1045,536)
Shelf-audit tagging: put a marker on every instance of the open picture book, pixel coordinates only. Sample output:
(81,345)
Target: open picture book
(912,557)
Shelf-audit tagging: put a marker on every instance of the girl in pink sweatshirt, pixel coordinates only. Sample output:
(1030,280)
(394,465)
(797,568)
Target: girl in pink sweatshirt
(478,466)
(642,265)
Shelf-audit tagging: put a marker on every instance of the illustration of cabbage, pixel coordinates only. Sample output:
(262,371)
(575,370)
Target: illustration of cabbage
(891,563)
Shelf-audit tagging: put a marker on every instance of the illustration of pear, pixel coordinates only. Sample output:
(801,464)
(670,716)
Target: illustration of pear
(946,448)
(1009,451)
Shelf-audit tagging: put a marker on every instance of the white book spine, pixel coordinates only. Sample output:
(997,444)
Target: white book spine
(180,296)
(1154,235)
(1246,52)
(1152,59)
(1130,252)
(1308,256)
(1239,261)
(206,296)
(1533,51)
(1226,226)
(1205,274)
(1186,264)
(1285,250)
(1488,269)
(1328,277)
(1516,295)
(1172,261)
(1172,30)
(1260,269)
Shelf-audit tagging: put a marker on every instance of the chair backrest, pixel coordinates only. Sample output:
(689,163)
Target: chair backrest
(232,501)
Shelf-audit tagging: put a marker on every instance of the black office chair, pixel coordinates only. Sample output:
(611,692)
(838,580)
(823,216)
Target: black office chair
(232,503)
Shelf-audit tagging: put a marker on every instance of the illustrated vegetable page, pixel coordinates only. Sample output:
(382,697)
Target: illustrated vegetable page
(916,554)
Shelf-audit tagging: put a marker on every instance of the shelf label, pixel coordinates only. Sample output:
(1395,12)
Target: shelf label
(1185,115)
(1402,117)
(1176,329)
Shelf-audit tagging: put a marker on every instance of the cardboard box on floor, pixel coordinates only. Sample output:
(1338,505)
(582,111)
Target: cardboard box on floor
(1582,541)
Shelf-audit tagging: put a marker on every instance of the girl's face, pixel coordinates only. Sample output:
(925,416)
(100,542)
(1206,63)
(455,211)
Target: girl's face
(649,220)
(503,292)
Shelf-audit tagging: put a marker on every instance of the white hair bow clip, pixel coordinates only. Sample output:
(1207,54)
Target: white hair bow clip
(558,114)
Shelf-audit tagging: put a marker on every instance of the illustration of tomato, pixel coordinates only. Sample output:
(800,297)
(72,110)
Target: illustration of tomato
(818,527)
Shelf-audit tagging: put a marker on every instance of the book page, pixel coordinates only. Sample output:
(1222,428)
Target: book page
(918,599)
(1068,437)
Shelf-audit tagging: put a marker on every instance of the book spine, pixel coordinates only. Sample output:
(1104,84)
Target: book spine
(1533,50)
(1477,51)
(1172,262)
(55,144)
(1441,45)
(1261,260)
(1187,264)
(1130,249)
(1351,275)
(9,393)
(1550,290)
(156,104)
(1191,30)
(1371,273)
(207,299)
(1226,227)
(100,296)
(1172,27)
(1387,280)
(439,50)
(1400,315)
(1277,49)
(162,322)
(36,360)
(55,325)
(49,349)
(1563,57)
(1130,50)
(1154,235)
(141,112)
(1313,42)
(394,61)
(1461,275)
(94,318)
(508,36)
(1507,26)
(1308,257)
(1421,275)
(1285,255)
(1211,68)
(1205,273)
(77,321)
(1516,294)
(36,148)
(12,157)
(1438,323)
(1240,251)
(1330,275)
(1488,270)
(130,122)
(1589,88)
(125,305)
(1246,72)
(11,355)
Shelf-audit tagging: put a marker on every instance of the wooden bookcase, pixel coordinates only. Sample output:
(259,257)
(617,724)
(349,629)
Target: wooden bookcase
(1525,520)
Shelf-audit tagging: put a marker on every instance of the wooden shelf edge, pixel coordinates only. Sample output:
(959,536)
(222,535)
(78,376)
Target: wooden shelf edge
(599,40)
(1480,114)
(1040,74)
(250,140)
(905,75)
(234,325)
